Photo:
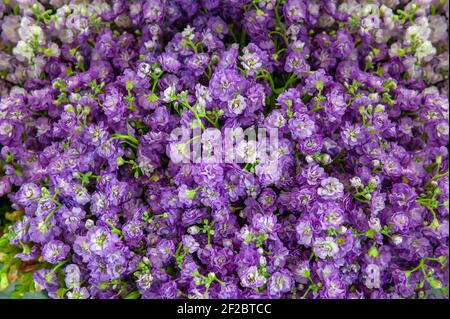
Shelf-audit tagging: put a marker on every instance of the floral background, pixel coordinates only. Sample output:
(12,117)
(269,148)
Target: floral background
(92,206)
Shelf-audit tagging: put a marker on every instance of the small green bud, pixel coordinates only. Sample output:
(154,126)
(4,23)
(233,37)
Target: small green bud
(401,52)
(306,273)
(318,85)
(120,161)
(190,193)
(129,85)
(434,283)
(373,252)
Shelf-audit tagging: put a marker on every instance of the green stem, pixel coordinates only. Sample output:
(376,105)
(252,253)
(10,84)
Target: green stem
(184,103)
(306,292)
(50,215)
(60,264)
(127,138)
(214,123)
(242,38)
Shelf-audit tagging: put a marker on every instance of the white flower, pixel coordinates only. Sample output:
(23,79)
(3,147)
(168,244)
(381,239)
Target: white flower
(246,152)
(53,49)
(370,9)
(425,51)
(356,181)
(325,247)
(237,105)
(188,33)
(351,7)
(374,223)
(202,95)
(123,21)
(89,224)
(262,260)
(23,51)
(397,240)
(193,230)
(417,33)
(170,94)
(28,32)
(143,70)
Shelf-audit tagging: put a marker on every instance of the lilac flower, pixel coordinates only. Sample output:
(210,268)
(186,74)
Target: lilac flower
(301,126)
(99,240)
(78,293)
(133,232)
(330,188)
(169,62)
(250,278)
(295,10)
(42,231)
(304,232)
(402,195)
(192,216)
(72,276)
(27,194)
(168,290)
(72,218)
(280,282)
(325,247)
(55,251)
(224,84)
(264,223)
(190,243)
(46,279)
(295,63)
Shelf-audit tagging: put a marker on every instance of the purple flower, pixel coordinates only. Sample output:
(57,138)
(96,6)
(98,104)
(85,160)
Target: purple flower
(169,290)
(133,232)
(169,62)
(72,277)
(402,195)
(27,194)
(325,247)
(42,231)
(224,84)
(264,223)
(295,63)
(331,188)
(72,219)
(280,282)
(192,216)
(55,251)
(46,279)
(250,278)
(301,126)
(100,240)
(295,10)
(304,232)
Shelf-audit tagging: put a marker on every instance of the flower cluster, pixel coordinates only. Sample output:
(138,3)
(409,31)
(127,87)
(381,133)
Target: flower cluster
(357,208)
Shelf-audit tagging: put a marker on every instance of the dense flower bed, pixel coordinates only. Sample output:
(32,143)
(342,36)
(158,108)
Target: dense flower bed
(94,206)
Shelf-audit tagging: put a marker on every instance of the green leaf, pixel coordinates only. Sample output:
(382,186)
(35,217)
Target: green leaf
(3,280)
(133,295)
(434,283)
(24,285)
